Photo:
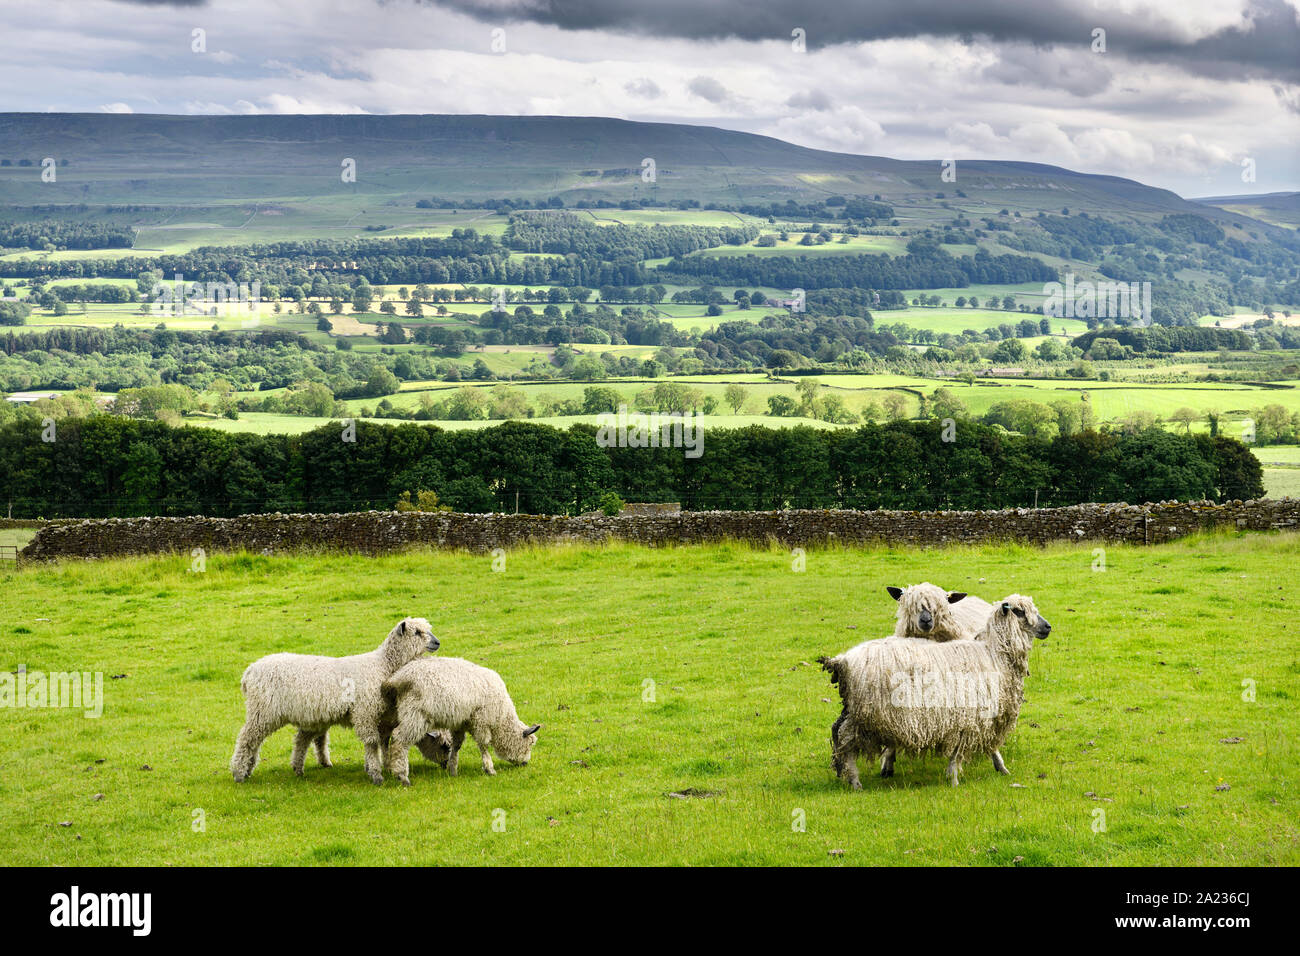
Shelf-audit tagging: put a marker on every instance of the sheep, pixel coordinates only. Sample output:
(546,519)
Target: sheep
(315,693)
(435,745)
(927,611)
(460,697)
(956,698)
(930,612)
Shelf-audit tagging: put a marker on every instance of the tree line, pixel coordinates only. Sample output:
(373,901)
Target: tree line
(925,266)
(105,465)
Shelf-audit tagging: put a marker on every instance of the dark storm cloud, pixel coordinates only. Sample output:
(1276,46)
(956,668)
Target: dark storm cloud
(1268,45)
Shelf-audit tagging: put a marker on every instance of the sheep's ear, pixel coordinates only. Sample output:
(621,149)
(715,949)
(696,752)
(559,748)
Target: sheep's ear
(956,596)
(532,730)
(403,625)
(1006,608)
(895,593)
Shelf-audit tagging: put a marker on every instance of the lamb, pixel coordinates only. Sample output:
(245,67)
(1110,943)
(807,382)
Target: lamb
(957,698)
(315,693)
(435,745)
(460,697)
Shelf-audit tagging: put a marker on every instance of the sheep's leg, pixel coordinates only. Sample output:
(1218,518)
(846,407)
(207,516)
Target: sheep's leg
(887,762)
(374,769)
(322,743)
(954,765)
(483,738)
(998,764)
(403,739)
(844,751)
(247,747)
(453,757)
(301,742)
(851,772)
(370,736)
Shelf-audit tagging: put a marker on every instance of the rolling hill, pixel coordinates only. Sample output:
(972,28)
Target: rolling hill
(197,161)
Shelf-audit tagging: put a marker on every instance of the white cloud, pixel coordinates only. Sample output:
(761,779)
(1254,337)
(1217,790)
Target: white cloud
(846,129)
(913,98)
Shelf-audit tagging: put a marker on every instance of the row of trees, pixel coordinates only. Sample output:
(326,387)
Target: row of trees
(106,465)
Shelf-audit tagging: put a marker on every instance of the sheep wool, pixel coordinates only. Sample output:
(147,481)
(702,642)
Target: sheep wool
(957,698)
(460,697)
(315,693)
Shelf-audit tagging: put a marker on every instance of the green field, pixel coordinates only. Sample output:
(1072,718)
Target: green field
(1133,706)
(1282,482)
(1111,401)
(955,321)
(16,537)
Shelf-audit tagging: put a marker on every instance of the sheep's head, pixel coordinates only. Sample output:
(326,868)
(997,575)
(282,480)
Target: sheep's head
(923,609)
(518,749)
(436,747)
(1016,615)
(408,640)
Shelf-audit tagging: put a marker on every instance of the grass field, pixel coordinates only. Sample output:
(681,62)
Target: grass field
(1282,482)
(1132,706)
(16,537)
(1111,401)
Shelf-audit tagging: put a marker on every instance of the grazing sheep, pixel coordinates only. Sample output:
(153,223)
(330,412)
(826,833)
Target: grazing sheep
(315,693)
(435,746)
(957,698)
(460,697)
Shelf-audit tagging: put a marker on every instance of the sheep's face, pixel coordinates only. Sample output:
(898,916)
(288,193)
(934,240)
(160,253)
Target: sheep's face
(1020,613)
(436,747)
(923,608)
(410,638)
(528,737)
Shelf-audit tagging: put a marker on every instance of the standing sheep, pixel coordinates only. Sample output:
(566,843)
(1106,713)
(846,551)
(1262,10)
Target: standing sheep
(460,697)
(957,698)
(315,693)
(930,612)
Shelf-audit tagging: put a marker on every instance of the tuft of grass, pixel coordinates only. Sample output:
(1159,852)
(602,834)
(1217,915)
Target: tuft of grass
(679,670)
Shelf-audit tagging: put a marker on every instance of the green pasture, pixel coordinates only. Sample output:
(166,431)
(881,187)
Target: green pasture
(1159,726)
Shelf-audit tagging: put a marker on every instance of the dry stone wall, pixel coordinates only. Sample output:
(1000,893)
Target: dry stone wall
(378,532)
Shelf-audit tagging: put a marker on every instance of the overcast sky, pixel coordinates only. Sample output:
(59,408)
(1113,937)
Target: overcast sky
(1184,91)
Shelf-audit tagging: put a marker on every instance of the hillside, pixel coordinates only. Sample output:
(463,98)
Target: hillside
(1280,209)
(190,160)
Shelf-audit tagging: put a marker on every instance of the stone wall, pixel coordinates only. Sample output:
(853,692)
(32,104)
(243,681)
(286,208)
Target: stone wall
(377,532)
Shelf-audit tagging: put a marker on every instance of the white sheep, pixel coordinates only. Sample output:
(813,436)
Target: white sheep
(957,698)
(928,611)
(455,695)
(315,693)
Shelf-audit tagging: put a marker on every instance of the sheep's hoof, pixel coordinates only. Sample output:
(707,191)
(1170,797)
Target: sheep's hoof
(1004,771)
(856,785)
(887,772)
(376,778)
